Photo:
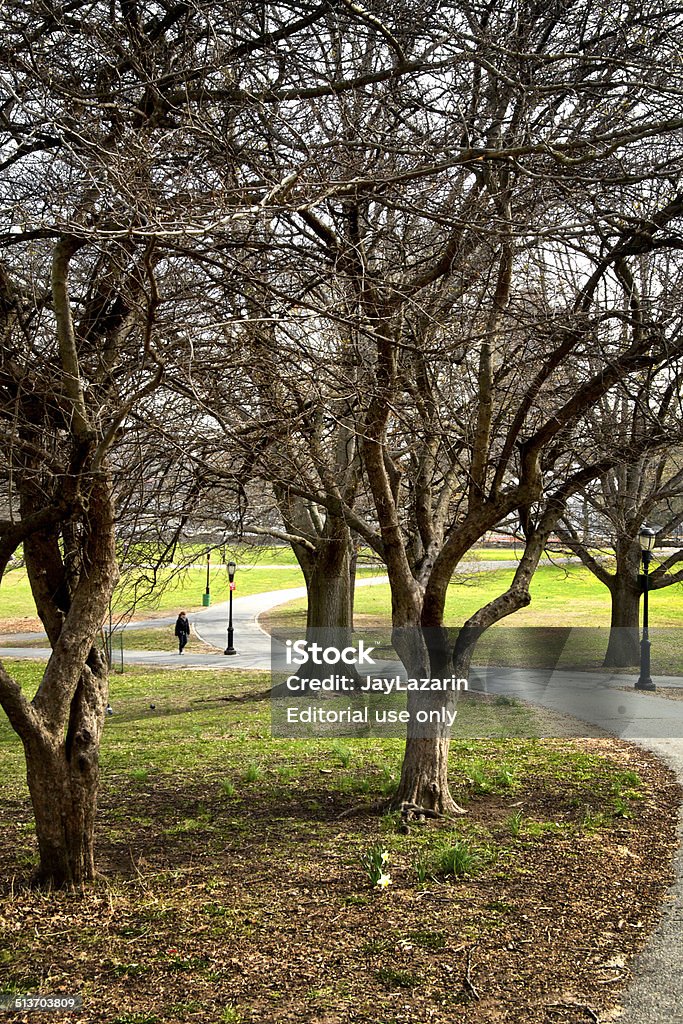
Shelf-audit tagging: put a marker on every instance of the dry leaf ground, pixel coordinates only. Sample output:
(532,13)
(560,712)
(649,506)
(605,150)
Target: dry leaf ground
(231,889)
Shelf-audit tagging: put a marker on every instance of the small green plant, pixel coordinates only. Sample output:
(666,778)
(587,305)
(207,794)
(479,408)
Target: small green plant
(374,946)
(622,808)
(458,859)
(389,782)
(231,1015)
(128,970)
(630,778)
(189,1006)
(357,900)
(628,785)
(514,823)
(503,701)
(342,754)
(428,940)
(499,907)
(186,825)
(137,1018)
(374,860)
(505,778)
(253,772)
(322,996)
(479,779)
(423,868)
(227,788)
(397,979)
(140,775)
(537,829)
(181,964)
(593,820)
(217,910)
(390,821)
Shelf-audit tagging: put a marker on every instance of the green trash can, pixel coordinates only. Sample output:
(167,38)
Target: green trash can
(206,600)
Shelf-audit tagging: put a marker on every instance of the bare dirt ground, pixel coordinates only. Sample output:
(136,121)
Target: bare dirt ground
(260,912)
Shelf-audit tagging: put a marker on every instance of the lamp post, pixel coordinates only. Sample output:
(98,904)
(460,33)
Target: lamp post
(646,538)
(231,576)
(206,597)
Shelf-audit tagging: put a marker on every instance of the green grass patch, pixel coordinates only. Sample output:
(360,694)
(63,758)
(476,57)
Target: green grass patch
(166,591)
(459,857)
(560,596)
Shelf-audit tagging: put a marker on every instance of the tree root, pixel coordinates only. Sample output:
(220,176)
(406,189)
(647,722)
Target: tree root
(357,809)
(414,812)
(410,812)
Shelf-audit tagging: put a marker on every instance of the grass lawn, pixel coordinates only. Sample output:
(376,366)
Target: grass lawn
(561,597)
(168,593)
(169,589)
(232,889)
(566,596)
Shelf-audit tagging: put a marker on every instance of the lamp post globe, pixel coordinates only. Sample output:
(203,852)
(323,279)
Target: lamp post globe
(646,539)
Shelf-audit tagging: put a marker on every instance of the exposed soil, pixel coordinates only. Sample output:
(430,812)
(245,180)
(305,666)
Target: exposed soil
(26,624)
(257,910)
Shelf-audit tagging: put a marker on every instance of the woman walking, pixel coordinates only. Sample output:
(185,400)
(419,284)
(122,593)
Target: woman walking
(182,631)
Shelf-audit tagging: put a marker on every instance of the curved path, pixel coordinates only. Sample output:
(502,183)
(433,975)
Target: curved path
(210,624)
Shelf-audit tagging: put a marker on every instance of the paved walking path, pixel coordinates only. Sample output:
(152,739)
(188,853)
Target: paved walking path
(210,624)
(656,993)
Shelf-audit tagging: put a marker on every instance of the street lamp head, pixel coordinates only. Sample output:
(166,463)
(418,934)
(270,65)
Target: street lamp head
(231,571)
(647,538)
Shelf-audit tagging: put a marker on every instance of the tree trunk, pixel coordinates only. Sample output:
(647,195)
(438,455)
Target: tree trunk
(62,726)
(623,650)
(423,785)
(329,589)
(424,777)
(328,585)
(327,572)
(63,780)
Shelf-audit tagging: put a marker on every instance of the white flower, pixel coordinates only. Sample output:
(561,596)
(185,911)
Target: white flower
(385,856)
(383,881)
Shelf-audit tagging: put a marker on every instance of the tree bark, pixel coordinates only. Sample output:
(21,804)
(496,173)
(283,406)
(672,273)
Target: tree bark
(423,785)
(62,726)
(327,568)
(623,649)
(328,583)
(63,781)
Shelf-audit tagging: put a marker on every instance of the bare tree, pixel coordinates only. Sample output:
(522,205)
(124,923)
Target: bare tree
(565,172)
(107,112)
(67,380)
(647,489)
